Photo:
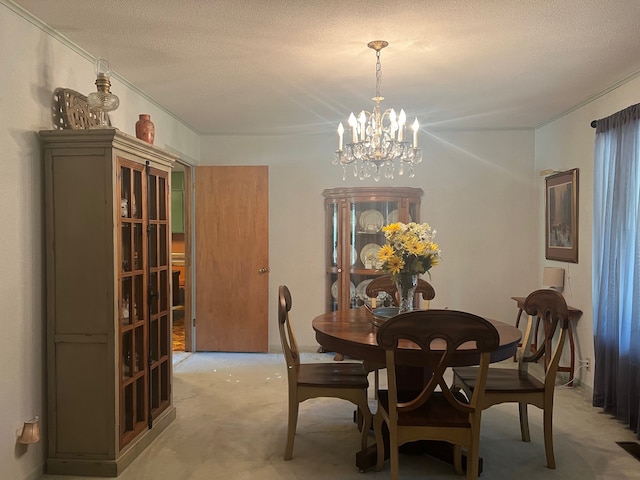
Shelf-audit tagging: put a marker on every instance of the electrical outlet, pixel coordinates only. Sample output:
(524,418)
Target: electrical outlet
(587,362)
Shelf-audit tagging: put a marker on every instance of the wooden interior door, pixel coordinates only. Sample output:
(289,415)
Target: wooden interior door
(232,258)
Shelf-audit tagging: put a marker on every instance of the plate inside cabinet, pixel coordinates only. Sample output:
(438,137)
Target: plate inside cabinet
(393,217)
(369,255)
(371,221)
(334,290)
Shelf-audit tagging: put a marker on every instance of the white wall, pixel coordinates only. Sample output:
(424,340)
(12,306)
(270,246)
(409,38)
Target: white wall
(479,195)
(33,64)
(561,145)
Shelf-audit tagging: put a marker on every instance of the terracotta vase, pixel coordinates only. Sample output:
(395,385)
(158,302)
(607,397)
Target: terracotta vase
(145,129)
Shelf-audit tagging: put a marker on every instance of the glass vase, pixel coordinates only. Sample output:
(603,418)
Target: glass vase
(406,284)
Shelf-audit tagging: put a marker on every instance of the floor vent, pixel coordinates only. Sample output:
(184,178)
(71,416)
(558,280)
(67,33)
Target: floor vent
(631,447)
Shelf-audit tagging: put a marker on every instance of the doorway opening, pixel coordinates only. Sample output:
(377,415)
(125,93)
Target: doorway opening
(180,257)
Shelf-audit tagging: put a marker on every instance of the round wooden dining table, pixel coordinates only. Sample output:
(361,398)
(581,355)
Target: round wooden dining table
(351,333)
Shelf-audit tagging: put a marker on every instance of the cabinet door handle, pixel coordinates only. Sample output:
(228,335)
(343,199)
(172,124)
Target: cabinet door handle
(264,270)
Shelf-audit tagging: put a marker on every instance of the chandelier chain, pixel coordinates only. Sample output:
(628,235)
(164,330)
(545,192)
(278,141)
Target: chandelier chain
(378,73)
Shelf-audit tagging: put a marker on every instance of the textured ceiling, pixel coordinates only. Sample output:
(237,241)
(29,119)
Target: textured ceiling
(300,66)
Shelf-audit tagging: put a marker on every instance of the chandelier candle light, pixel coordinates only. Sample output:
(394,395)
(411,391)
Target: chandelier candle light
(378,138)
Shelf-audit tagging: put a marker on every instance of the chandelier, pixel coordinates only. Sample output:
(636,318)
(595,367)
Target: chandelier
(378,139)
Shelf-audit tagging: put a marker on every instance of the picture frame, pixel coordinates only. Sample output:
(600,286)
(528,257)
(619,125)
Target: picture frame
(561,216)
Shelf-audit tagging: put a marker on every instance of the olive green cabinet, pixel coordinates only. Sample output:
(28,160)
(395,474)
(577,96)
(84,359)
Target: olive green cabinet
(109,364)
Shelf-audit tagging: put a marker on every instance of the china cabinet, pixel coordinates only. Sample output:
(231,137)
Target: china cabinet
(108,246)
(354,217)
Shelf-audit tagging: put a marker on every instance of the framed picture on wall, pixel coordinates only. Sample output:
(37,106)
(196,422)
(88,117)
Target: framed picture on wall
(561,219)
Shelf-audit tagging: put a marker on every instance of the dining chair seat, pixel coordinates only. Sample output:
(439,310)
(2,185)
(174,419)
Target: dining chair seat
(334,375)
(437,413)
(502,380)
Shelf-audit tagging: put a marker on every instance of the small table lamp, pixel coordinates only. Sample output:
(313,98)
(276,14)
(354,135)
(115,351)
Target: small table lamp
(553,277)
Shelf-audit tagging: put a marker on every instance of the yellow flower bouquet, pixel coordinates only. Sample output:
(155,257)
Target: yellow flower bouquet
(409,249)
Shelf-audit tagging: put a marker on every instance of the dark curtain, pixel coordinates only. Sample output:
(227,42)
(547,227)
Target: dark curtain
(616,266)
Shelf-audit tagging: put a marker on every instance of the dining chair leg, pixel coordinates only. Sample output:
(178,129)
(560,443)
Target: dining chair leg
(376,383)
(472,462)
(371,367)
(365,413)
(394,461)
(457,459)
(377,428)
(473,451)
(548,436)
(524,422)
(291,429)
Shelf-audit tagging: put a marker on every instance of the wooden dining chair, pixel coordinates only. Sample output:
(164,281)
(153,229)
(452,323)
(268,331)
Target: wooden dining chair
(385,284)
(343,380)
(436,412)
(517,385)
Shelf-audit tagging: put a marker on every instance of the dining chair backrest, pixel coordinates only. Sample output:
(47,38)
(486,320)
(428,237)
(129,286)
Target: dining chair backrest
(386,284)
(550,309)
(287,337)
(438,334)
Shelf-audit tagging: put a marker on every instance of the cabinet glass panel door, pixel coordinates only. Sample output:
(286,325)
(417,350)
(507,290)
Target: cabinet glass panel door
(131,302)
(159,292)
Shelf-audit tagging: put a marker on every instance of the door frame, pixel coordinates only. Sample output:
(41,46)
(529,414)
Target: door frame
(189,264)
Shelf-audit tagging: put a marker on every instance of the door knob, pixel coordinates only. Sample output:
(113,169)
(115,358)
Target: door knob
(264,270)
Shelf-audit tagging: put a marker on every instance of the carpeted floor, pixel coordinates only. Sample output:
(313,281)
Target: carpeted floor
(232,416)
